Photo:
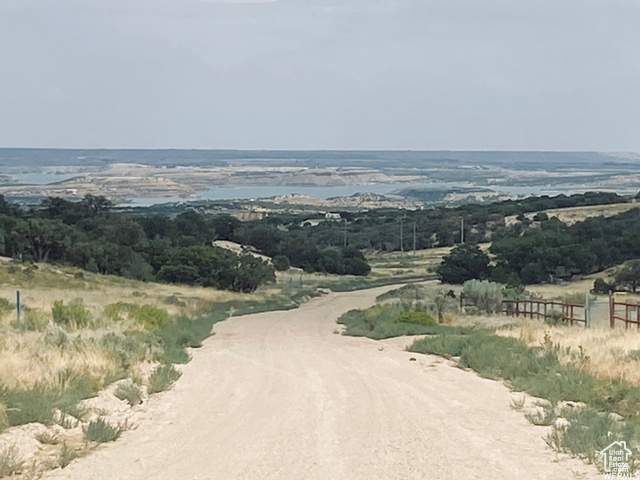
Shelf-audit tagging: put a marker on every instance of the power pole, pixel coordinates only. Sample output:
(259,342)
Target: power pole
(345,234)
(401,236)
(462,230)
(414,238)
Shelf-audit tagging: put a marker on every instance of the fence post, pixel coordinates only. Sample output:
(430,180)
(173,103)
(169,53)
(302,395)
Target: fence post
(612,310)
(517,308)
(18,307)
(587,311)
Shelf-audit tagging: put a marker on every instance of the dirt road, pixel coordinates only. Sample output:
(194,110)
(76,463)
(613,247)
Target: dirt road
(281,396)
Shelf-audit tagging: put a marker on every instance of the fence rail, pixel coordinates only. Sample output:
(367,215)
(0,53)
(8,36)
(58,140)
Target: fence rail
(542,309)
(626,312)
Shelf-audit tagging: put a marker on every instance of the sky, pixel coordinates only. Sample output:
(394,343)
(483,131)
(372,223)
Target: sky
(321,74)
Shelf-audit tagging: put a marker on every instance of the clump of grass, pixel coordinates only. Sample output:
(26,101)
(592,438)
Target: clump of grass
(37,404)
(162,378)
(588,432)
(9,461)
(6,306)
(100,431)
(130,392)
(150,317)
(74,314)
(56,336)
(129,349)
(31,321)
(419,318)
(67,455)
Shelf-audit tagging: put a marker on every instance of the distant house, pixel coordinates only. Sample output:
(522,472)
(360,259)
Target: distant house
(332,216)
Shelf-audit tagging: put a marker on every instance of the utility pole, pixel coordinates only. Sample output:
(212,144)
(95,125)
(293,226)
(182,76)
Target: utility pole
(345,234)
(462,230)
(414,238)
(401,236)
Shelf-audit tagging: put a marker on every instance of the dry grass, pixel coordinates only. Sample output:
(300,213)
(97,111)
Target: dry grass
(603,352)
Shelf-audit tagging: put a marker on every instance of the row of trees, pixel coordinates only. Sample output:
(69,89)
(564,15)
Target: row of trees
(88,235)
(551,250)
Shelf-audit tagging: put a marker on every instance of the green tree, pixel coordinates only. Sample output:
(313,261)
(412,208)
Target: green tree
(629,275)
(465,262)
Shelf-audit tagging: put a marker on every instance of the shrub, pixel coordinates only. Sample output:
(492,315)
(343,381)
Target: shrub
(31,321)
(67,455)
(281,263)
(419,318)
(485,295)
(602,287)
(588,432)
(56,336)
(151,317)
(130,392)
(72,315)
(163,378)
(101,432)
(37,404)
(554,317)
(6,306)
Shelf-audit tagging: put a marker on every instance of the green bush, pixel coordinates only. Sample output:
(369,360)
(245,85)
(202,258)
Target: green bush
(56,336)
(36,404)
(67,455)
(31,321)
(588,432)
(130,392)
(151,317)
(6,306)
(281,263)
(71,315)
(100,431)
(419,318)
(163,378)
(483,294)
(554,317)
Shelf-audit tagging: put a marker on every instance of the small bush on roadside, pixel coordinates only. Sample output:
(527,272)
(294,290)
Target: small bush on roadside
(483,294)
(67,455)
(37,404)
(74,314)
(419,318)
(100,431)
(130,392)
(588,432)
(163,378)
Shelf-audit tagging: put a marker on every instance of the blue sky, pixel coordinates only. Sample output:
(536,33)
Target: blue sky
(351,74)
